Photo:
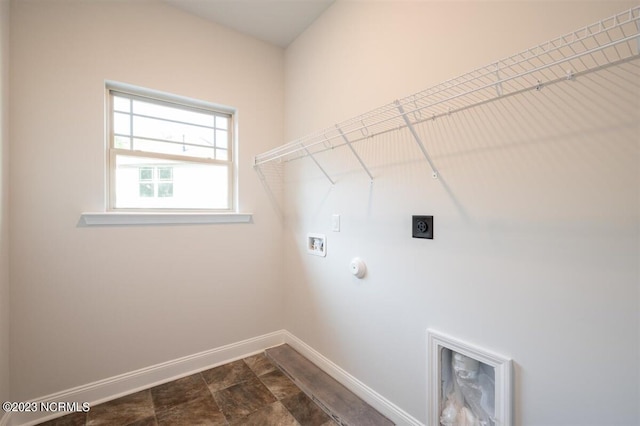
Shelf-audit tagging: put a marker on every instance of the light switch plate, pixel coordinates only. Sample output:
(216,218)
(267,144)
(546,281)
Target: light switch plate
(335,223)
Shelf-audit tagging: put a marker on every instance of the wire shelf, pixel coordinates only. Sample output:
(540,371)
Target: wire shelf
(605,43)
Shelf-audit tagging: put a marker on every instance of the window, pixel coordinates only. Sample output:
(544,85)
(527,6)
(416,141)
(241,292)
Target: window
(156,181)
(168,153)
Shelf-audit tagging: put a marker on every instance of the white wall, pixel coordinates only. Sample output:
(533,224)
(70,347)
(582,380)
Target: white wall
(4,200)
(91,303)
(536,212)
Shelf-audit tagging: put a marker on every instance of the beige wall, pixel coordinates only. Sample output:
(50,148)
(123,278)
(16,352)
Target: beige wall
(537,218)
(4,200)
(91,303)
(536,212)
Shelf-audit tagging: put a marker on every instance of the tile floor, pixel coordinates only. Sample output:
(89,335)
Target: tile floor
(251,391)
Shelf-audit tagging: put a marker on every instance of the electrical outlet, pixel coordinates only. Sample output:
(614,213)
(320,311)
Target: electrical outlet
(422,227)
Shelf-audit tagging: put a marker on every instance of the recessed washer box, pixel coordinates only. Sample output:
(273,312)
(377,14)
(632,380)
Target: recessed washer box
(317,244)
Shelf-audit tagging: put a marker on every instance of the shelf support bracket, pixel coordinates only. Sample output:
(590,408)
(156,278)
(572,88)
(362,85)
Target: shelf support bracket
(257,168)
(434,171)
(498,81)
(317,164)
(354,152)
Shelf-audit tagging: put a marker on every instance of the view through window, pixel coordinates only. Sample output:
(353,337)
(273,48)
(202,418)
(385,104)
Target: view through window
(166,154)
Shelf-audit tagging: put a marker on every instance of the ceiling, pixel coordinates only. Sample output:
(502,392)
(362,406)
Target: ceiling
(277,22)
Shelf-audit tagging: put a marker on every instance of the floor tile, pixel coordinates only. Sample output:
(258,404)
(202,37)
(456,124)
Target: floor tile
(343,403)
(73,419)
(260,364)
(279,384)
(149,421)
(305,411)
(203,411)
(252,391)
(228,375)
(274,414)
(243,399)
(179,391)
(122,411)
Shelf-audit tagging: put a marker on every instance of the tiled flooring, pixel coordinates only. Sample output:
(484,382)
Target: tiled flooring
(251,391)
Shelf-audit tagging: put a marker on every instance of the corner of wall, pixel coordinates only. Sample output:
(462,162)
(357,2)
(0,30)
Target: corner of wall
(4,204)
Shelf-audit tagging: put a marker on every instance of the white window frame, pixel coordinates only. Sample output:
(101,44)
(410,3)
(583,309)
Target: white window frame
(161,98)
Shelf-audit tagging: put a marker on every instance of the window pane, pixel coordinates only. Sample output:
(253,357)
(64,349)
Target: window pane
(165,190)
(172,148)
(122,142)
(222,154)
(193,185)
(165,173)
(222,139)
(146,190)
(146,173)
(170,131)
(121,123)
(121,104)
(169,113)
(222,122)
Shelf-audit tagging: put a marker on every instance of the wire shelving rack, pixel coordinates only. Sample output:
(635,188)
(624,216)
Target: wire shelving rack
(608,42)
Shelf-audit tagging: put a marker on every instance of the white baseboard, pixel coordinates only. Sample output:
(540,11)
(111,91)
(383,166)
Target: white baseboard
(377,401)
(124,384)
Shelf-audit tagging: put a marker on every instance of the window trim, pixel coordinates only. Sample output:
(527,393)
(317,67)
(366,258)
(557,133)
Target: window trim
(161,218)
(135,92)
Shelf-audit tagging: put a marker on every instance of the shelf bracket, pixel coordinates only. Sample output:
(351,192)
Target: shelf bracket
(570,76)
(354,152)
(498,81)
(434,172)
(317,164)
(257,168)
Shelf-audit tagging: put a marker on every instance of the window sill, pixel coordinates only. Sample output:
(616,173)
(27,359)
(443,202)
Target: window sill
(161,218)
